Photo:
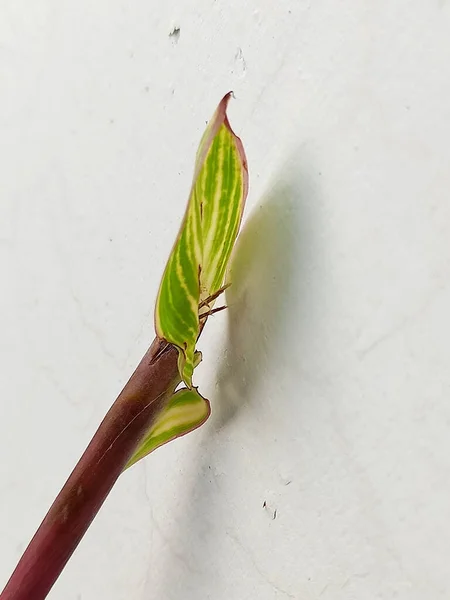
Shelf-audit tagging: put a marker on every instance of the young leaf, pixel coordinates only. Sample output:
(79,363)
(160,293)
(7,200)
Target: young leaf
(196,267)
(185,411)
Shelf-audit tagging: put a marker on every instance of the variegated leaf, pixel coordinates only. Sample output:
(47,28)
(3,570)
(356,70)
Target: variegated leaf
(197,264)
(185,411)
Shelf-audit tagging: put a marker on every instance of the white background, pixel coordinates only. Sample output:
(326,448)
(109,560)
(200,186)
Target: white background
(329,374)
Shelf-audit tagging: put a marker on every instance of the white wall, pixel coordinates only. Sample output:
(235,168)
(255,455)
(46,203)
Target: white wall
(329,375)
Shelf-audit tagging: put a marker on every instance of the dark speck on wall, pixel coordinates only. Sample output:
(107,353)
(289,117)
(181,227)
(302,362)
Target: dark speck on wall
(175,34)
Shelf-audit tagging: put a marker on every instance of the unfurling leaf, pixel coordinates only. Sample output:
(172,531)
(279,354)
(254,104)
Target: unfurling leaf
(185,411)
(196,267)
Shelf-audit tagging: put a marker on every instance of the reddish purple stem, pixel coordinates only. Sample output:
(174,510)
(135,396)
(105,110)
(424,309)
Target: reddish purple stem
(95,474)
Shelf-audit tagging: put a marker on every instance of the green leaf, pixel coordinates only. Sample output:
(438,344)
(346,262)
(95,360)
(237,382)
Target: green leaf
(185,411)
(196,267)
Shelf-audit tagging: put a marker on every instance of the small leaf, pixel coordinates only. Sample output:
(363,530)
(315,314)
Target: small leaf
(185,411)
(196,267)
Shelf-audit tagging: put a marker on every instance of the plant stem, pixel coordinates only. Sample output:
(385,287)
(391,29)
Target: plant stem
(127,421)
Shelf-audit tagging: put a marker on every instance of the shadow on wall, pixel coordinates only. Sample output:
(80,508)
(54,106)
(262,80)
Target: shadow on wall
(269,270)
(263,270)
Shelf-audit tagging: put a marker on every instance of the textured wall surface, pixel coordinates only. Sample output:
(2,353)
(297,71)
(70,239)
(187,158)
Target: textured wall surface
(329,375)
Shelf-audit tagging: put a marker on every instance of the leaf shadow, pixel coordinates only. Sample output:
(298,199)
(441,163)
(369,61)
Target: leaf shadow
(263,280)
